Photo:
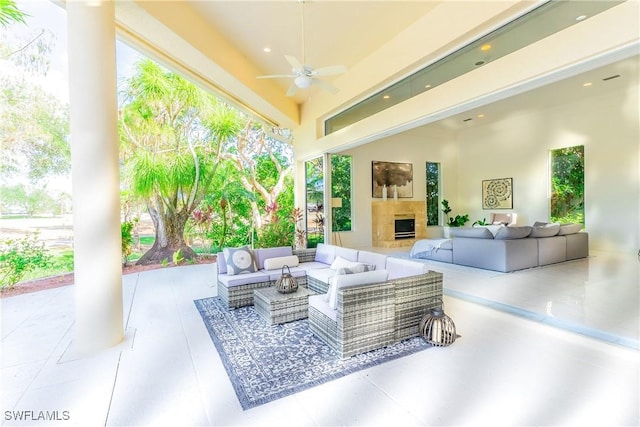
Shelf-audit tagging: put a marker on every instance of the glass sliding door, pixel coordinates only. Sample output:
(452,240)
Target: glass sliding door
(314,203)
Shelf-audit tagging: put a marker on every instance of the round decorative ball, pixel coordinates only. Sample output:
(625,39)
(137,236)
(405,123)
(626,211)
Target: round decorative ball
(437,328)
(286,283)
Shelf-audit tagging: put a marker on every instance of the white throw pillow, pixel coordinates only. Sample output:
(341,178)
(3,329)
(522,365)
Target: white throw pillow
(340,262)
(279,262)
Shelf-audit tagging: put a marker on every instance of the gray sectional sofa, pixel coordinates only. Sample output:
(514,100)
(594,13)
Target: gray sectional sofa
(506,249)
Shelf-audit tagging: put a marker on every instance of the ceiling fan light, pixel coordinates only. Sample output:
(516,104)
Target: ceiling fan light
(303,82)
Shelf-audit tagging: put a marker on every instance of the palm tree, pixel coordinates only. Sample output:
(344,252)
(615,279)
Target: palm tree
(172,134)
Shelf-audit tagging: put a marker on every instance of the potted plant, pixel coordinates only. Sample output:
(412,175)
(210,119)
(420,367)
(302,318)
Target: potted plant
(457,221)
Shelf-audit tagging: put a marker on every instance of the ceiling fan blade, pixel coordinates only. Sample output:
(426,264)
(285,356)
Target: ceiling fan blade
(292,90)
(331,70)
(326,86)
(293,61)
(276,76)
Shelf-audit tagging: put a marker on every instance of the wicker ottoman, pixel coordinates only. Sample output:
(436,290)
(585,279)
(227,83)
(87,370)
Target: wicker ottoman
(277,308)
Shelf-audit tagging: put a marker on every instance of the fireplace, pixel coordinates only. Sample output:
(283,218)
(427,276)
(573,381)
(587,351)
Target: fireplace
(405,227)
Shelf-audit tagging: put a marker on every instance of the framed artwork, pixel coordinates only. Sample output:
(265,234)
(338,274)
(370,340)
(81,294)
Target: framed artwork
(497,193)
(390,180)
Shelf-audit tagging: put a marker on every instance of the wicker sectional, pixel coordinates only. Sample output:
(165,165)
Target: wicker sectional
(359,311)
(373,316)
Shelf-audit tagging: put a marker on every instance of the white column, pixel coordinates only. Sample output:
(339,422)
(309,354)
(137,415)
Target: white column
(95,174)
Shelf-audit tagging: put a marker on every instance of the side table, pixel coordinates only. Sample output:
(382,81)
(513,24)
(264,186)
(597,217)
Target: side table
(277,308)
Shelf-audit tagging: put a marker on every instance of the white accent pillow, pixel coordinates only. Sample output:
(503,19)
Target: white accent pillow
(279,262)
(340,262)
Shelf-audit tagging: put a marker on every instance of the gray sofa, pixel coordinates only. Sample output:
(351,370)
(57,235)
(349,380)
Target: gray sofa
(506,249)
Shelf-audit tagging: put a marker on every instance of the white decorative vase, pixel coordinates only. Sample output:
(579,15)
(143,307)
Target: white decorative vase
(395,192)
(384,192)
(446,230)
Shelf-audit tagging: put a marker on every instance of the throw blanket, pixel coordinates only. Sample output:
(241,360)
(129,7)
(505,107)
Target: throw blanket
(425,248)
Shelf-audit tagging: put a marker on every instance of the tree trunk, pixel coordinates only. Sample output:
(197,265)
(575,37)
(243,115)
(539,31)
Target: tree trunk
(169,229)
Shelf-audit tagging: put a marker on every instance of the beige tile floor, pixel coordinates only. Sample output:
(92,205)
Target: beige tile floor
(509,367)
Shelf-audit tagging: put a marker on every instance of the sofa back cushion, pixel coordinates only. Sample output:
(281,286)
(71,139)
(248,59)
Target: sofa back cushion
(347,253)
(510,233)
(398,268)
(222,263)
(566,229)
(341,281)
(472,232)
(266,253)
(546,230)
(379,260)
(325,253)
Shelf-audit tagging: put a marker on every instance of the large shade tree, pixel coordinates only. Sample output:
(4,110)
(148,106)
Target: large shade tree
(172,134)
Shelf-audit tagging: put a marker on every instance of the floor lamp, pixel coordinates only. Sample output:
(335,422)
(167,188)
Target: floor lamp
(336,202)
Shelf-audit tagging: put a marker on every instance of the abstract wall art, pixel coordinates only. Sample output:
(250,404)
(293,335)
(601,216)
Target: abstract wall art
(497,193)
(391,180)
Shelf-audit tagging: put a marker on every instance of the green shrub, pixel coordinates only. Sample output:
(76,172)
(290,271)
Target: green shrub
(19,256)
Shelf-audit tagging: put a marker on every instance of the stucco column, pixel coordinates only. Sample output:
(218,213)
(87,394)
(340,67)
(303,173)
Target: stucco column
(95,174)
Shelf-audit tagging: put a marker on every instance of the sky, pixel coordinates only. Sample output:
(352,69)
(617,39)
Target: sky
(48,15)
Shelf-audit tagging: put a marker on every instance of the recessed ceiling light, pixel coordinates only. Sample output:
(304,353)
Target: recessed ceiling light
(266,49)
(386,97)
(587,84)
(481,116)
(427,86)
(485,47)
(581,17)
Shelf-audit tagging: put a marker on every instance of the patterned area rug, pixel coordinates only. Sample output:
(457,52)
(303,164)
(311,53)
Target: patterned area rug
(265,363)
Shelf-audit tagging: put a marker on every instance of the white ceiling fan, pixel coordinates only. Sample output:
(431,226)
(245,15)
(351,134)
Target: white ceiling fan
(305,75)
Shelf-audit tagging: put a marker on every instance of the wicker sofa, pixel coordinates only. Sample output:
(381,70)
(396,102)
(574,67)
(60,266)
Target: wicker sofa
(352,313)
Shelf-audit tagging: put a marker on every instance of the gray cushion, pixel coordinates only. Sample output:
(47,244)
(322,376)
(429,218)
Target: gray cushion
(263,254)
(358,268)
(569,229)
(547,230)
(472,232)
(239,260)
(510,233)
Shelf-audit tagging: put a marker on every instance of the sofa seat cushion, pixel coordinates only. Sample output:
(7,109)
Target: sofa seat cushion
(320,303)
(295,272)
(399,268)
(263,254)
(341,281)
(313,265)
(242,279)
(278,262)
(323,275)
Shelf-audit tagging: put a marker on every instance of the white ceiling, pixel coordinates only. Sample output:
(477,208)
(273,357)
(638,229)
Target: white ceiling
(336,32)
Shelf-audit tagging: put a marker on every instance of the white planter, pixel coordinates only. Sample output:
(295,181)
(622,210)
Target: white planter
(446,230)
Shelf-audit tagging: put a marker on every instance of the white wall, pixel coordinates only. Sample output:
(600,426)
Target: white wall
(418,146)
(518,147)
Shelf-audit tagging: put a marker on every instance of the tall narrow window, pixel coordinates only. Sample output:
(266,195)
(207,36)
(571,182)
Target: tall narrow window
(314,184)
(567,185)
(433,193)
(341,192)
